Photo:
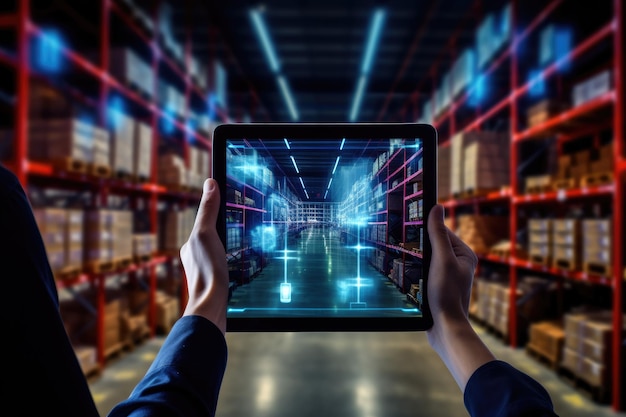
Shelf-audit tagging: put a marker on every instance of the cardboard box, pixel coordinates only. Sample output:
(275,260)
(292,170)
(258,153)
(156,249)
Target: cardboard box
(122,141)
(142,152)
(99,235)
(54,139)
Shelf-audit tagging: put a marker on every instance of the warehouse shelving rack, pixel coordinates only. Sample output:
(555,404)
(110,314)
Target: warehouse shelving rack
(569,125)
(21,22)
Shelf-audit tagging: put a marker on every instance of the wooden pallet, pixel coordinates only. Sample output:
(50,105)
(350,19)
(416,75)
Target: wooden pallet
(99,266)
(139,259)
(121,175)
(540,259)
(97,170)
(599,394)
(70,165)
(114,351)
(596,179)
(596,268)
(551,361)
(477,192)
(564,184)
(67,273)
(538,189)
(122,263)
(565,264)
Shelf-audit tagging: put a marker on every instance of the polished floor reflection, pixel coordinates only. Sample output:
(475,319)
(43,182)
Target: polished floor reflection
(340,375)
(323,277)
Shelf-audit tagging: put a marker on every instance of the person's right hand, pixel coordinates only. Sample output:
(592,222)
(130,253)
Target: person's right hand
(449,287)
(451,270)
(204,260)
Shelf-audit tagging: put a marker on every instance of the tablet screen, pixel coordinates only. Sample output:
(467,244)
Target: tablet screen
(327,227)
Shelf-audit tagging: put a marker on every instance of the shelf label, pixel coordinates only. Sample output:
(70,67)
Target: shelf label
(561,195)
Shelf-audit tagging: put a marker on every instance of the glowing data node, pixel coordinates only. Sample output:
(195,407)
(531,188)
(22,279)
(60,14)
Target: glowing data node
(285,292)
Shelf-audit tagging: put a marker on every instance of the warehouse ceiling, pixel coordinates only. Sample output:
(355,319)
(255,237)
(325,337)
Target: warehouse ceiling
(321,44)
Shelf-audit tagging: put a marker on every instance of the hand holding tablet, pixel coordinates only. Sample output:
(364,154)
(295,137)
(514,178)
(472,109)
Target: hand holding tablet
(324,224)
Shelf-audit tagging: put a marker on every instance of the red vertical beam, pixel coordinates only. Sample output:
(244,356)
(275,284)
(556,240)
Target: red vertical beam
(618,205)
(100,302)
(514,183)
(22,93)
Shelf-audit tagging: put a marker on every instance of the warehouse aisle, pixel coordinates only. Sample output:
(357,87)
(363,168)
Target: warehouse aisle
(339,374)
(323,276)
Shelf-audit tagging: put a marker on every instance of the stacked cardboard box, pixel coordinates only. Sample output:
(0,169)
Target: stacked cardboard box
(112,328)
(122,231)
(481,232)
(101,147)
(122,144)
(60,139)
(566,244)
(563,178)
(604,162)
(492,304)
(87,359)
(587,351)
(543,111)
(142,152)
(131,69)
(591,88)
(144,245)
(172,171)
(580,164)
(74,242)
(598,248)
(547,339)
(52,226)
(199,168)
(176,230)
(540,241)
(45,102)
(443,173)
(456,164)
(98,237)
(486,162)
(168,311)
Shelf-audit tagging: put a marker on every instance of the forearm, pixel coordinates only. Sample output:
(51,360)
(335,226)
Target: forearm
(459,347)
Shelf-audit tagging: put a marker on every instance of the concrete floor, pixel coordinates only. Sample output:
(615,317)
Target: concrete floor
(339,374)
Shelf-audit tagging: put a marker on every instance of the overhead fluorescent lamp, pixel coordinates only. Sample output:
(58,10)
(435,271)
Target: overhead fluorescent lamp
(372,41)
(356,104)
(287,143)
(264,37)
(294,164)
(302,182)
(343,142)
(284,89)
(335,168)
(329,183)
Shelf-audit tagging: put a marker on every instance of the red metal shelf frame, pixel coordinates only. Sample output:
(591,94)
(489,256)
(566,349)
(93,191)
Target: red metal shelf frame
(610,102)
(26,29)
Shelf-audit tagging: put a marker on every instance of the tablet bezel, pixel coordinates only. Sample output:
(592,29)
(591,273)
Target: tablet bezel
(295,131)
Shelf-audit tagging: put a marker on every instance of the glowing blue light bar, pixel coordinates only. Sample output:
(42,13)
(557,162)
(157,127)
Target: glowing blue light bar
(358,96)
(329,182)
(325,194)
(307,195)
(264,37)
(335,168)
(294,164)
(302,182)
(372,42)
(343,142)
(537,83)
(115,112)
(287,143)
(284,89)
(49,51)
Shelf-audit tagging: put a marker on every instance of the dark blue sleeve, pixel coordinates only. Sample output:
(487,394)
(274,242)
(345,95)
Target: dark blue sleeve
(186,375)
(497,389)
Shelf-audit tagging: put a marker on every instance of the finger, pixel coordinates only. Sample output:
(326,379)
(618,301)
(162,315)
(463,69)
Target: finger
(463,252)
(209,205)
(438,232)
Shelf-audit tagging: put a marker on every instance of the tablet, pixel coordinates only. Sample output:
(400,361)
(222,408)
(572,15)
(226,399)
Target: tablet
(324,225)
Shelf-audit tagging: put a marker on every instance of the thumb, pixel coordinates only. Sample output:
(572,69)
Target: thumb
(209,206)
(438,232)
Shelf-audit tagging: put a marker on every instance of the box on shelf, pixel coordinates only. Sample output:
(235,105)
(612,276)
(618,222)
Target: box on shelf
(592,87)
(144,245)
(172,170)
(566,242)
(122,145)
(87,359)
(122,231)
(547,338)
(61,139)
(535,184)
(168,311)
(52,227)
(176,229)
(98,236)
(544,110)
(443,172)
(597,250)
(142,151)
(74,243)
(131,69)
(481,232)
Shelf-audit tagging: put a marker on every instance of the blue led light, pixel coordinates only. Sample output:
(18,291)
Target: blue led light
(166,122)
(358,96)
(294,164)
(537,83)
(478,92)
(264,37)
(287,143)
(291,105)
(372,42)
(343,142)
(563,47)
(285,292)
(48,51)
(335,167)
(329,183)
(115,112)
